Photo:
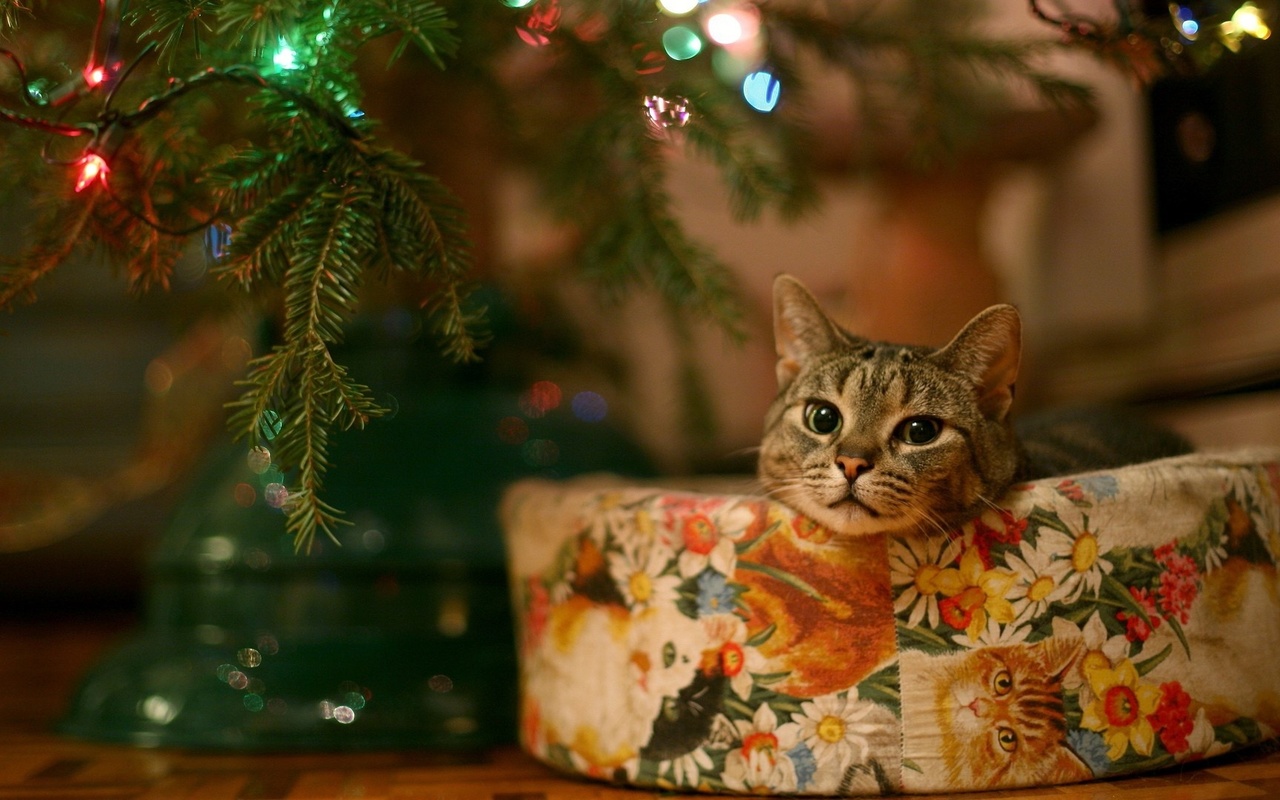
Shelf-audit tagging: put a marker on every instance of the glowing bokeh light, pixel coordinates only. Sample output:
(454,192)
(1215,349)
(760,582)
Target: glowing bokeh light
(540,453)
(269,425)
(541,397)
(542,21)
(664,113)
(517,3)
(589,407)
(158,377)
(275,495)
(761,90)
(725,27)
(92,168)
(285,56)
(217,241)
(677,8)
(94,76)
(1248,18)
(681,43)
(258,460)
(158,709)
(513,430)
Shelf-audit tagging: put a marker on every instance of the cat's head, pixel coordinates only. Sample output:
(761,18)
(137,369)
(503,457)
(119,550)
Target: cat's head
(868,437)
(1001,718)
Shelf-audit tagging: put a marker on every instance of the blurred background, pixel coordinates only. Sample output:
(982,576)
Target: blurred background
(1139,240)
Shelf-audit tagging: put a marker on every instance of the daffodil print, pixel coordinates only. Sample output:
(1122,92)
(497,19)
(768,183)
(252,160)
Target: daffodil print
(974,595)
(1121,709)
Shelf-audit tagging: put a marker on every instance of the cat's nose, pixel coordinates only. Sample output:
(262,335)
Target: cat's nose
(853,466)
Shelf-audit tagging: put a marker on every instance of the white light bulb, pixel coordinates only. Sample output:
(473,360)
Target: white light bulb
(677,8)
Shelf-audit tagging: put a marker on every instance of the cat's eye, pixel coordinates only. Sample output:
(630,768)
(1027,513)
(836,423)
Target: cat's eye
(670,709)
(919,430)
(1002,683)
(822,418)
(1008,739)
(668,654)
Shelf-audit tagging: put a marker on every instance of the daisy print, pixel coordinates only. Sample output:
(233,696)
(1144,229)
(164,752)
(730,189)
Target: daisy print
(1081,553)
(915,563)
(640,574)
(686,770)
(1038,582)
(992,635)
(834,727)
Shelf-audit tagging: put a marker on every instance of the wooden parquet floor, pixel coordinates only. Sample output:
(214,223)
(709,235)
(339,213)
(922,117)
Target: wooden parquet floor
(40,662)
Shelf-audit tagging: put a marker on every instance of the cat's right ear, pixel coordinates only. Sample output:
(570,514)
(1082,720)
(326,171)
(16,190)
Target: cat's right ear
(801,330)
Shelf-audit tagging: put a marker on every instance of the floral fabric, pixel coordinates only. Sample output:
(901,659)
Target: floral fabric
(721,642)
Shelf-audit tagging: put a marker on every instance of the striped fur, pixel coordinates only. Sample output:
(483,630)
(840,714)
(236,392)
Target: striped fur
(865,478)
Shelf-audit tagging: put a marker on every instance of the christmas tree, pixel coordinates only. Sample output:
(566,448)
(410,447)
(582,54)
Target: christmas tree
(139,127)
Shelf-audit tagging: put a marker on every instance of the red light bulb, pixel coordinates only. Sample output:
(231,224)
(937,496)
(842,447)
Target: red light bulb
(92,168)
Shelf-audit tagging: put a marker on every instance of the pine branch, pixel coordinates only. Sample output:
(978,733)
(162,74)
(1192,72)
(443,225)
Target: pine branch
(258,24)
(170,21)
(11,12)
(758,176)
(358,207)
(640,240)
(265,236)
(420,22)
(60,232)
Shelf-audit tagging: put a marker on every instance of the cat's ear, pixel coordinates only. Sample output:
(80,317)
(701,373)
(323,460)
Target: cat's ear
(988,351)
(800,328)
(1060,654)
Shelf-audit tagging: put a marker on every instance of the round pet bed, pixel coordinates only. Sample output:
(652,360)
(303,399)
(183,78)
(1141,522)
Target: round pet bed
(1091,626)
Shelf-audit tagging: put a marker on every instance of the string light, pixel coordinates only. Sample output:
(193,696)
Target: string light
(285,56)
(542,21)
(92,168)
(734,26)
(677,8)
(1185,21)
(664,113)
(761,90)
(724,28)
(681,43)
(1248,20)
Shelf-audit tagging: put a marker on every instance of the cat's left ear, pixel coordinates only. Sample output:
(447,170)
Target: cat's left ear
(988,351)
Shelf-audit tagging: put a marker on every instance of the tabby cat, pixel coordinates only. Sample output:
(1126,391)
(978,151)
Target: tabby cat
(868,437)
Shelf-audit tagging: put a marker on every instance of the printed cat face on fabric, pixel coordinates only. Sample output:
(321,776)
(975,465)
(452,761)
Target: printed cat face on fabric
(628,667)
(991,718)
(867,437)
